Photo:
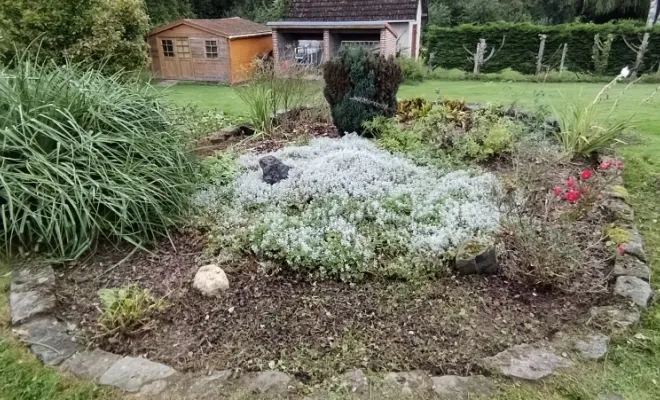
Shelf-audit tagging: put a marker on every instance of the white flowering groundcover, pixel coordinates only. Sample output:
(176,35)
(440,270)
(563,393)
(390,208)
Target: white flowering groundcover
(349,209)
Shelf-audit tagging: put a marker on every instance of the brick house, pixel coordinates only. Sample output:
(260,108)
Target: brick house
(314,30)
(216,50)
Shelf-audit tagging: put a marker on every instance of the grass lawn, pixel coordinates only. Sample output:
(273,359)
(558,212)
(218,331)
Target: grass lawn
(632,367)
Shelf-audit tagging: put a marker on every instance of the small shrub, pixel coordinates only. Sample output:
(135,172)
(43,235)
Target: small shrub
(196,123)
(220,168)
(412,109)
(360,86)
(392,137)
(128,309)
(85,156)
(413,71)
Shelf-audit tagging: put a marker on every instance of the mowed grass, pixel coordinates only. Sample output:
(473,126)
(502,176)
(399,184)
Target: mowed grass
(632,367)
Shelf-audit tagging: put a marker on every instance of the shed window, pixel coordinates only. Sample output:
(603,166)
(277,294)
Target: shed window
(211,49)
(168,48)
(182,49)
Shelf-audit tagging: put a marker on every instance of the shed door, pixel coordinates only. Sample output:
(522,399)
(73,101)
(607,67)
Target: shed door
(168,65)
(184,59)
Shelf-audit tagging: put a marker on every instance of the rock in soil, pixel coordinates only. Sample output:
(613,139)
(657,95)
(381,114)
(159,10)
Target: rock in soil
(470,262)
(274,170)
(610,396)
(41,277)
(132,373)
(355,381)
(49,340)
(614,317)
(634,289)
(452,387)
(90,365)
(408,383)
(593,347)
(635,247)
(274,382)
(528,362)
(618,210)
(211,280)
(209,385)
(630,266)
(27,305)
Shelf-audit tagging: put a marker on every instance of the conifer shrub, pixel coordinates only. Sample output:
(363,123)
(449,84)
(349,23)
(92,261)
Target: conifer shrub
(360,86)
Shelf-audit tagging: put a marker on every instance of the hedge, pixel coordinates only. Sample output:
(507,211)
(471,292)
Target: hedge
(446,46)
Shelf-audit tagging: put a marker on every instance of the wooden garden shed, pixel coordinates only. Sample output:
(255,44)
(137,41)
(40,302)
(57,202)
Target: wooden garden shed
(211,50)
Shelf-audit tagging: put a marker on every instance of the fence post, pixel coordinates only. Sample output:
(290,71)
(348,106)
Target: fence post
(563,58)
(539,58)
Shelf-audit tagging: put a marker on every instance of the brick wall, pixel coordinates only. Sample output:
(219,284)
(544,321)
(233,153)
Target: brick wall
(387,43)
(326,45)
(276,48)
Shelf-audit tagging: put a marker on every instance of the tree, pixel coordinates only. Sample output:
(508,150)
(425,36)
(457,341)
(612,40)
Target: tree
(81,30)
(164,11)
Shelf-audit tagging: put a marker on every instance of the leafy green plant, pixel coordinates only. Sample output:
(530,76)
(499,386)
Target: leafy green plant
(195,122)
(220,168)
(412,109)
(128,309)
(391,136)
(360,85)
(85,156)
(413,71)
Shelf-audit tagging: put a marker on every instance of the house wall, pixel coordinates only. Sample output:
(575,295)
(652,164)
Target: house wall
(403,30)
(387,43)
(203,69)
(154,56)
(242,53)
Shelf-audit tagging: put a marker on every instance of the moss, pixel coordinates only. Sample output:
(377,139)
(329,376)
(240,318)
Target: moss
(620,192)
(618,235)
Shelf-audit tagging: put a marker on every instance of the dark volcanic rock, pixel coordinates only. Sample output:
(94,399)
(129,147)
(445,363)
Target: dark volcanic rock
(274,169)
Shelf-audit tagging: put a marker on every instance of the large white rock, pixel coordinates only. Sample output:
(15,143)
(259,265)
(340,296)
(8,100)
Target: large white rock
(211,280)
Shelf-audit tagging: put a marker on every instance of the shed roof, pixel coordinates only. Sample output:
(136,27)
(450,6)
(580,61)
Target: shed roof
(352,10)
(225,27)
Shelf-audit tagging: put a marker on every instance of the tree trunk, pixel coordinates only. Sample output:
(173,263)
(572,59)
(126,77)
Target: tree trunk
(653,13)
(539,58)
(640,54)
(563,58)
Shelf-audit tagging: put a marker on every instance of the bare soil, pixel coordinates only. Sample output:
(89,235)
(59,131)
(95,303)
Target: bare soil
(313,329)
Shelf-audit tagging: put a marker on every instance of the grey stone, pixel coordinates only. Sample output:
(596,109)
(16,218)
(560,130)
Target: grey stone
(593,347)
(49,340)
(131,373)
(469,262)
(209,385)
(634,289)
(408,382)
(355,380)
(33,277)
(153,388)
(211,280)
(635,247)
(452,387)
(274,170)
(27,305)
(528,362)
(615,317)
(630,266)
(618,210)
(90,364)
(269,382)
(610,396)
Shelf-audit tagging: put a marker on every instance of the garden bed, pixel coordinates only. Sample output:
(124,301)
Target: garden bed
(299,317)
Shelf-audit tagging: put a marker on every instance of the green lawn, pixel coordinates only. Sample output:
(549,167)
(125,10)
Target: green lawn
(632,367)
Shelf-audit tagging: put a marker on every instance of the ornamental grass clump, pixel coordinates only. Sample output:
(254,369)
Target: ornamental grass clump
(85,156)
(350,210)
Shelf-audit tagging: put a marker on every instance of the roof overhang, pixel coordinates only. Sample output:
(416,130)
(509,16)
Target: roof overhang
(249,35)
(332,25)
(174,24)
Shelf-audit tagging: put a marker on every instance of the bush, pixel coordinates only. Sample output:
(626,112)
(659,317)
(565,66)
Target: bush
(359,86)
(412,109)
(413,71)
(85,156)
(127,309)
(522,44)
(350,210)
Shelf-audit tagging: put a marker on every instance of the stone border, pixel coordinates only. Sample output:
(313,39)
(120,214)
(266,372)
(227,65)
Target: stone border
(33,304)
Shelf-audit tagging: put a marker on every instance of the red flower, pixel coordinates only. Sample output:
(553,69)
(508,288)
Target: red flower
(605,165)
(621,249)
(586,174)
(572,196)
(570,182)
(557,190)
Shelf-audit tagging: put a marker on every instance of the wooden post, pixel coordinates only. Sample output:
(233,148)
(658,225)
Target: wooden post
(563,58)
(539,58)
